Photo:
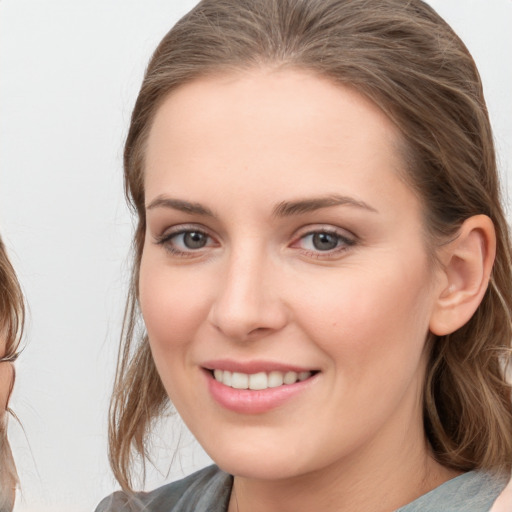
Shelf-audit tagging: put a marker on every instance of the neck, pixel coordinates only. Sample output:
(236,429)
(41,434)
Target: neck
(387,476)
(380,494)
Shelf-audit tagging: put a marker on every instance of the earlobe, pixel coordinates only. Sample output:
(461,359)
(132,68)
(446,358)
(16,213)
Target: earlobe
(467,264)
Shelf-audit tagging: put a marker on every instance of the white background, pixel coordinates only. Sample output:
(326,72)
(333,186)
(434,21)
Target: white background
(69,75)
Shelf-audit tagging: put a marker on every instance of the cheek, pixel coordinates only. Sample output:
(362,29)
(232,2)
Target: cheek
(6,380)
(170,304)
(370,322)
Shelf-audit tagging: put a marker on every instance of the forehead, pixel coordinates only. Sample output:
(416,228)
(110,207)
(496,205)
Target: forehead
(272,130)
(287,100)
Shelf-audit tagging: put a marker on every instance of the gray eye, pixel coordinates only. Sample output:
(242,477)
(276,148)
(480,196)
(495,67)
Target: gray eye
(324,241)
(194,239)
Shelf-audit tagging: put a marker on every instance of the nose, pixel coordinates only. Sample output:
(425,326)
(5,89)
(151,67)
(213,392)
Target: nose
(248,305)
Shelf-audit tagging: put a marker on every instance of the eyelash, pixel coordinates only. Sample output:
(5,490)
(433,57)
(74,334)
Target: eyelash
(165,240)
(343,242)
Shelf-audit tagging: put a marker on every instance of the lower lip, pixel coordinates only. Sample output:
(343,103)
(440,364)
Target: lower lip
(246,401)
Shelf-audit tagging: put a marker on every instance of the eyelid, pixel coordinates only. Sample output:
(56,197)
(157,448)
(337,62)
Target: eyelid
(169,233)
(347,238)
(325,228)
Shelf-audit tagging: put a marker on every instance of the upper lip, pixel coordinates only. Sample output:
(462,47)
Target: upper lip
(251,367)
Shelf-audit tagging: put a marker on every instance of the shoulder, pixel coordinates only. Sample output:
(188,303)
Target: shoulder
(475,491)
(206,490)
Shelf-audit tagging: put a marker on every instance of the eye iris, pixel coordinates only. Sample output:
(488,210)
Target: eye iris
(324,241)
(194,240)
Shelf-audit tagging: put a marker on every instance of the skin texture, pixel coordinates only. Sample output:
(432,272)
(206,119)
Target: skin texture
(6,377)
(7,489)
(504,501)
(241,145)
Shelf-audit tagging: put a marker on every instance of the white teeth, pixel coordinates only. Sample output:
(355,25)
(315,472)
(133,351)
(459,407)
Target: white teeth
(227,378)
(275,379)
(304,375)
(240,380)
(290,377)
(259,381)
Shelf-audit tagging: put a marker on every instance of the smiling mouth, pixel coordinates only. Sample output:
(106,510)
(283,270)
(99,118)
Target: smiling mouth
(261,380)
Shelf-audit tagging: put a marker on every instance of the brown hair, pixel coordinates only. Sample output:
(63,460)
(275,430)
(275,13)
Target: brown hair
(11,328)
(405,58)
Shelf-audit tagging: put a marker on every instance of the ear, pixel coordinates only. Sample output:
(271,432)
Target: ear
(466,268)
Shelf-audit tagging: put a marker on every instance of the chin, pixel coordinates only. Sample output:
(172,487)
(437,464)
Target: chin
(259,468)
(271,461)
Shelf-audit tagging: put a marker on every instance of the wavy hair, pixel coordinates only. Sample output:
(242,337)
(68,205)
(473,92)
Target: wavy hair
(404,57)
(12,312)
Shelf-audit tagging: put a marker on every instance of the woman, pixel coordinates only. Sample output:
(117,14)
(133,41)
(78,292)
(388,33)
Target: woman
(11,321)
(322,263)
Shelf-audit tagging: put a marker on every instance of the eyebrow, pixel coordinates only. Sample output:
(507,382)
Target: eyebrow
(288,208)
(283,209)
(180,205)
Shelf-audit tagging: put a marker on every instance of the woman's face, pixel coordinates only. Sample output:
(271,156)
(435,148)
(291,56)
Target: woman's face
(284,252)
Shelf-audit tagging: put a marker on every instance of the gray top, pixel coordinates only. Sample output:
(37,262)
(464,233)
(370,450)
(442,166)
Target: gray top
(475,491)
(209,489)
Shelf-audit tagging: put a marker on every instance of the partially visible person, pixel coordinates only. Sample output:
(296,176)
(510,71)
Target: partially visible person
(11,327)
(322,265)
